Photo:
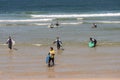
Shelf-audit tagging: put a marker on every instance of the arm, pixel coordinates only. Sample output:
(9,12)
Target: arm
(7,41)
(54,41)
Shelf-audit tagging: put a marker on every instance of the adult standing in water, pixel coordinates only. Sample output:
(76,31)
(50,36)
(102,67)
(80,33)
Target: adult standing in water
(10,43)
(51,58)
(93,41)
(94,25)
(58,42)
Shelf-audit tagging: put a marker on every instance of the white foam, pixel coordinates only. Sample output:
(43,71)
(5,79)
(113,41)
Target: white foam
(75,23)
(41,24)
(27,20)
(75,15)
(37,45)
(108,22)
(79,18)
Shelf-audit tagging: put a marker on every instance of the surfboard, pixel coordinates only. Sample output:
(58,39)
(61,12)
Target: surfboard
(47,58)
(13,42)
(91,44)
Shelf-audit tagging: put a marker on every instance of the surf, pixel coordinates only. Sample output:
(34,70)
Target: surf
(27,20)
(75,15)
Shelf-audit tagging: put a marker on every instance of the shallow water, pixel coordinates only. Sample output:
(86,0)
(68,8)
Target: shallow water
(69,34)
(73,62)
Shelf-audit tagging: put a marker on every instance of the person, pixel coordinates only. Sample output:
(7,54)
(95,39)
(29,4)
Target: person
(57,24)
(58,42)
(94,25)
(51,58)
(51,25)
(93,41)
(10,43)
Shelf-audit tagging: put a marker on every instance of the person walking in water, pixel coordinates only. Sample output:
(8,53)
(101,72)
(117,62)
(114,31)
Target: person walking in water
(93,41)
(58,42)
(10,43)
(51,58)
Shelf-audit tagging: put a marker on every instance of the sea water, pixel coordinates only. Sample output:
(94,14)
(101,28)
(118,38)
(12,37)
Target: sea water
(27,21)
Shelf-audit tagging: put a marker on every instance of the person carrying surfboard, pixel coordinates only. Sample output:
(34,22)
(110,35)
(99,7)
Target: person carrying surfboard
(10,43)
(51,58)
(58,42)
(94,41)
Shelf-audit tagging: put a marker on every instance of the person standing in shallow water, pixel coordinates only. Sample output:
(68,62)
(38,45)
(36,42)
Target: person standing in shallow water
(58,42)
(94,25)
(51,58)
(10,43)
(94,41)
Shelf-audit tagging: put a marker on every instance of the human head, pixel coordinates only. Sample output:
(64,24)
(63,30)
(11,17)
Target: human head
(9,37)
(90,38)
(57,37)
(51,48)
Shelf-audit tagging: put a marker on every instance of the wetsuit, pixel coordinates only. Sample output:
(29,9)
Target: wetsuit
(9,42)
(58,42)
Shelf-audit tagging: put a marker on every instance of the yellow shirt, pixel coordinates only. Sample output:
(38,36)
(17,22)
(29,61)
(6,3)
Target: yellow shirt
(52,53)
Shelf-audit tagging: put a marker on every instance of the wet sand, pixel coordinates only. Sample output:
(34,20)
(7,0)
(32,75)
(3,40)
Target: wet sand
(74,63)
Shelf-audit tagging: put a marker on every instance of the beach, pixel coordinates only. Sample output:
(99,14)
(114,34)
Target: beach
(76,62)
(28,23)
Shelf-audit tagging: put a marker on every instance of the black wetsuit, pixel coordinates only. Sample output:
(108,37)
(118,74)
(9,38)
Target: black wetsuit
(10,43)
(94,41)
(58,42)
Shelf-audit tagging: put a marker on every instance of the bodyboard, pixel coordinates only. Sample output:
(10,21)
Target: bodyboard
(13,42)
(91,44)
(47,58)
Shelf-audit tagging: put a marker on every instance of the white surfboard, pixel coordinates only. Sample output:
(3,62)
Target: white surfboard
(13,42)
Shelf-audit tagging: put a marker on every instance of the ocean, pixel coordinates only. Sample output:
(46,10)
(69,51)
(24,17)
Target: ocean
(27,21)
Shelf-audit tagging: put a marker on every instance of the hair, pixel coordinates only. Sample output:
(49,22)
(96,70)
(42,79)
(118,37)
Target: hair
(51,48)
(90,38)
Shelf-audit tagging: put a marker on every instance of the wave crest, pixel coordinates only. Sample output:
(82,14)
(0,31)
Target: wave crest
(75,15)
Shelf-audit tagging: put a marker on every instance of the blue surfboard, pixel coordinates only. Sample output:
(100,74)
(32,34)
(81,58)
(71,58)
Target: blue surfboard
(47,58)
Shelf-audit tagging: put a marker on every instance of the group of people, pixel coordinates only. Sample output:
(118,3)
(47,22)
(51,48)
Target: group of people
(51,53)
(59,45)
(93,42)
(52,25)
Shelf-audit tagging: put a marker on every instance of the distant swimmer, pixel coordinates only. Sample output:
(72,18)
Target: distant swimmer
(58,42)
(57,24)
(51,25)
(94,25)
(10,43)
